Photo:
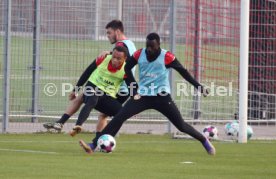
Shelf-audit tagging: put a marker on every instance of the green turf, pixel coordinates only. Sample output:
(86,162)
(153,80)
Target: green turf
(136,156)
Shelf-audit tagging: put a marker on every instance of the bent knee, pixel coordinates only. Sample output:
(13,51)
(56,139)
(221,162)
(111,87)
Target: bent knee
(79,99)
(102,116)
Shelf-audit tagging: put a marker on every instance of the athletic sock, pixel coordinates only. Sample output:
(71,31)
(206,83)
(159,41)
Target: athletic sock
(92,146)
(63,118)
(207,145)
(98,134)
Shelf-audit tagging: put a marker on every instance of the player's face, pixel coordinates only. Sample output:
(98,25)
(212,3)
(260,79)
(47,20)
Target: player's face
(112,35)
(118,58)
(152,47)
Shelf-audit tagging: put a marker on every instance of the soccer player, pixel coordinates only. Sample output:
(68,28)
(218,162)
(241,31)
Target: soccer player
(153,92)
(116,36)
(104,77)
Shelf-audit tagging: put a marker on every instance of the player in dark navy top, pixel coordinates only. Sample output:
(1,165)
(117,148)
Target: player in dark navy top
(153,92)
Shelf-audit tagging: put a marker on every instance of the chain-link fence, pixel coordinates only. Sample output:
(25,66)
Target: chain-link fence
(53,41)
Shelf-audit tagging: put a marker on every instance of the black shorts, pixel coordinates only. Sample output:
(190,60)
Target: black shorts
(122,97)
(101,101)
(104,104)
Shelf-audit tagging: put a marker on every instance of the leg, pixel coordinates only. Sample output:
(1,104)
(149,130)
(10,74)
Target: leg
(122,97)
(90,103)
(168,108)
(131,108)
(102,118)
(73,107)
(108,106)
(102,122)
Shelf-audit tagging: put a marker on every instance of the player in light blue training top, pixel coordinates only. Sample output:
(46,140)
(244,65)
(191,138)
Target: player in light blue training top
(153,92)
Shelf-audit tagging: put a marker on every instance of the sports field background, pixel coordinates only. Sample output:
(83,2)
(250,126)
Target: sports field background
(58,68)
(73,34)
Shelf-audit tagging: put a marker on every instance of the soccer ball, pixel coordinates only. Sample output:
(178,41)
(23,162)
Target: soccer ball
(249,132)
(106,143)
(232,129)
(211,132)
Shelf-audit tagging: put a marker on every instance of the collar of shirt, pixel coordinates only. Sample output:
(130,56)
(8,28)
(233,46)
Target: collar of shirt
(112,69)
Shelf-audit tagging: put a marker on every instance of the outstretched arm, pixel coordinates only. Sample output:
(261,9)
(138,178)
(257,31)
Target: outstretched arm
(175,64)
(83,78)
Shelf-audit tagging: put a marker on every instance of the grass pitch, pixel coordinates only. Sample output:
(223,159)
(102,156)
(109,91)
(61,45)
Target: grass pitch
(136,156)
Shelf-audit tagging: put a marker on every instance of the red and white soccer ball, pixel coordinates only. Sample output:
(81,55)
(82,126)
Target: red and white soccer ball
(211,132)
(106,143)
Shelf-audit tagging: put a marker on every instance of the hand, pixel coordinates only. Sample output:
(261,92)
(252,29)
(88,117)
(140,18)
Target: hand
(103,54)
(137,97)
(205,92)
(72,96)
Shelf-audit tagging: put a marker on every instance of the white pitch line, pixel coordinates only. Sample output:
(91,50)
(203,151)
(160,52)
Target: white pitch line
(153,142)
(30,141)
(123,142)
(187,162)
(28,151)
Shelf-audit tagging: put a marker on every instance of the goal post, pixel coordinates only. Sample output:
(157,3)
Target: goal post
(6,64)
(243,87)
